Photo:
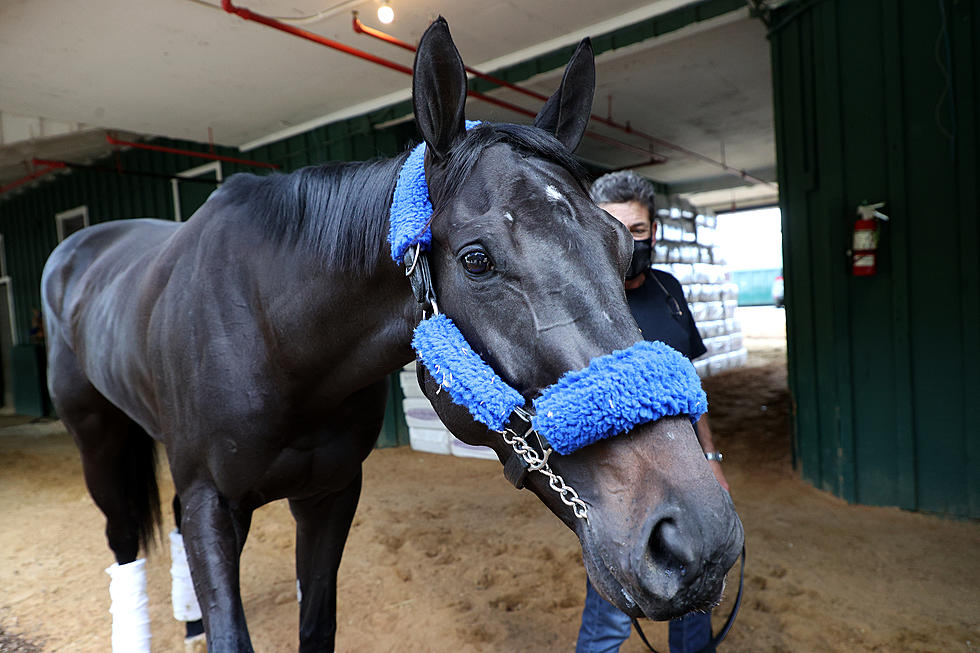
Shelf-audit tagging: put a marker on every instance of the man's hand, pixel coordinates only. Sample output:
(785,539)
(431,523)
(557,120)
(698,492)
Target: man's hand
(720,475)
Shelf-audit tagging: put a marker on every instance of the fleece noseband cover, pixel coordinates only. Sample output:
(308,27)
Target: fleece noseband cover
(613,394)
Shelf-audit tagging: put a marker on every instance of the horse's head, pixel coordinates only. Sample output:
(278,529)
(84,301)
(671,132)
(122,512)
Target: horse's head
(531,271)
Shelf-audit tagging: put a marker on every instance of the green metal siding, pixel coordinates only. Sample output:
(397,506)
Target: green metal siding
(884,370)
(30,393)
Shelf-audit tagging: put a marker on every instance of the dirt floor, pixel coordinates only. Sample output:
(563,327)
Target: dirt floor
(445,556)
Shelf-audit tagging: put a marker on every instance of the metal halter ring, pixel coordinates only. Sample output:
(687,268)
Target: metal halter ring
(420,277)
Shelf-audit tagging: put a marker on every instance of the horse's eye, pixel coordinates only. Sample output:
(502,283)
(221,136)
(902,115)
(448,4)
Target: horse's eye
(477,262)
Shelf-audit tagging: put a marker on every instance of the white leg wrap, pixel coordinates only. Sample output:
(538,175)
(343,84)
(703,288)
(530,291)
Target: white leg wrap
(182,593)
(299,592)
(130,607)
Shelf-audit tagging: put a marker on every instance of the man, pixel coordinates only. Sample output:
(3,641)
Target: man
(657,302)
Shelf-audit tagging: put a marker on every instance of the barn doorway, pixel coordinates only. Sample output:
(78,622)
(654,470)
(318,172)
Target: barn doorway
(751,243)
(7,338)
(188,197)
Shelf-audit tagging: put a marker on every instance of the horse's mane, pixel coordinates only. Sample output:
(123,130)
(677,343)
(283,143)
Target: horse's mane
(339,211)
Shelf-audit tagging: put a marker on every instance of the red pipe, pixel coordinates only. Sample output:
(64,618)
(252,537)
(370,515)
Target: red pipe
(361,28)
(200,155)
(589,134)
(48,167)
(310,36)
(336,45)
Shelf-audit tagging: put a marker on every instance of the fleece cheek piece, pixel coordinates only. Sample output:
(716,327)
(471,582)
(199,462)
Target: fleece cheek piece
(615,393)
(411,207)
(461,372)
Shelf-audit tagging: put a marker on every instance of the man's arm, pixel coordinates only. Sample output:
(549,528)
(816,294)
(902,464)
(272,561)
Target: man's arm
(703,430)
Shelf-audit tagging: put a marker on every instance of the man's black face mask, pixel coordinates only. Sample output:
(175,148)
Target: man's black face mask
(642,249)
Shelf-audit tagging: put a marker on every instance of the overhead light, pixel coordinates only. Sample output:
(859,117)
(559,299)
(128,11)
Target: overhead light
(385,13)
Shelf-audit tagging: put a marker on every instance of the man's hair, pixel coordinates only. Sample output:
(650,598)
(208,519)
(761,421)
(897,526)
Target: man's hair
(625,186)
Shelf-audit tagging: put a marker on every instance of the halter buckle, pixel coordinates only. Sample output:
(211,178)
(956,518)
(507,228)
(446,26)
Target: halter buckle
(420,277)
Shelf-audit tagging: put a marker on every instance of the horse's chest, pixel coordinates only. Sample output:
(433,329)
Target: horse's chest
(322,463)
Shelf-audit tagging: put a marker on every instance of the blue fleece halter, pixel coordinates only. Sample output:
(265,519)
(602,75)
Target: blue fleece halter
(614,393)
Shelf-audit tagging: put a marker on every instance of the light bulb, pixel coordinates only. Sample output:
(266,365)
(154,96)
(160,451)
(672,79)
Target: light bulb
(385,13)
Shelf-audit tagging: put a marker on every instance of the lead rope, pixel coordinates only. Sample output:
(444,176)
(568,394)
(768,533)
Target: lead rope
(717,639)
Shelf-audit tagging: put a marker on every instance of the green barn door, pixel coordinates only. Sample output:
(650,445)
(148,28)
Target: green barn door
(195,187)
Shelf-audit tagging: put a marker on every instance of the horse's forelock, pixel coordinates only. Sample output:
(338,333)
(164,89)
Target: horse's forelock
(525,139)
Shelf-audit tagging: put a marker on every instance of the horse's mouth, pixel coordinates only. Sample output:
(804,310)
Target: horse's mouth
(640,603)
(607,584)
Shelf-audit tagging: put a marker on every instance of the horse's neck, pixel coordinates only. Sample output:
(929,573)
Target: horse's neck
(344,328)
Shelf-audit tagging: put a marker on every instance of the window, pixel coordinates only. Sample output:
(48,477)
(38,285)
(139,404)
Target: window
(71,221)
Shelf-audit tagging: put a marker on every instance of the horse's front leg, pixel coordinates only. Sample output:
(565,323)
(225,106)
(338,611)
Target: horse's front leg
(214,535)
(322,524)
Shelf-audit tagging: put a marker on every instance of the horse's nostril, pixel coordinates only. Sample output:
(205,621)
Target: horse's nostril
(671,549)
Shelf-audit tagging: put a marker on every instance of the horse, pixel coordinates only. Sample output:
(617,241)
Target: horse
(254,343)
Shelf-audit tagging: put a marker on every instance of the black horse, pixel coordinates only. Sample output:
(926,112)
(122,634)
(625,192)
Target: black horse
(254,343)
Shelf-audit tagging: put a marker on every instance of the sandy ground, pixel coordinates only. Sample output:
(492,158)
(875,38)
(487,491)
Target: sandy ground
(445,556)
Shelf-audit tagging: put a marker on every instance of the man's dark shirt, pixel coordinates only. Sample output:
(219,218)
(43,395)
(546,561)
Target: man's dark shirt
(657,315)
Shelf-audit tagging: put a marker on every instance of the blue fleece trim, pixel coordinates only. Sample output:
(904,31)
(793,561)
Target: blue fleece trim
(463,374)
(617,392)
(410,205)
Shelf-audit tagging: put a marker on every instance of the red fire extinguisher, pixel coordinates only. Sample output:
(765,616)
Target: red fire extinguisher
(864,248)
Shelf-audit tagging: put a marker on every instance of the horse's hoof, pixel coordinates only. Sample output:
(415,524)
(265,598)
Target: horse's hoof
(196,644)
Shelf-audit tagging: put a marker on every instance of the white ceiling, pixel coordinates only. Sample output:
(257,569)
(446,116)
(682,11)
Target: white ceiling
(175,68)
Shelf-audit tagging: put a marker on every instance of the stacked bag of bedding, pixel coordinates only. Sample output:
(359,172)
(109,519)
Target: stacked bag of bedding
(425,430)
(686,248)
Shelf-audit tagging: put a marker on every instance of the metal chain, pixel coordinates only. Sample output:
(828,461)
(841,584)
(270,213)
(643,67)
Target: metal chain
(539,463)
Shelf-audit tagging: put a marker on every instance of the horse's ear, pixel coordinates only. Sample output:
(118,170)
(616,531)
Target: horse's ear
(439,89)
(566,113)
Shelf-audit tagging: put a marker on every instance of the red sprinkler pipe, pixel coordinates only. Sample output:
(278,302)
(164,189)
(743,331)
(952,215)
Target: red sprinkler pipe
(361,28)
(387,63)
(589,134)
(200,155)
(40,172)
(310,36)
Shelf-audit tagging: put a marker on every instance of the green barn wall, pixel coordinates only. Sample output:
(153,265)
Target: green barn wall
(884,370)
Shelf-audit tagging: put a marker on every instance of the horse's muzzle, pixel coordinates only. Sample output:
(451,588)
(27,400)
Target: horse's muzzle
(662,533)
(669,572)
